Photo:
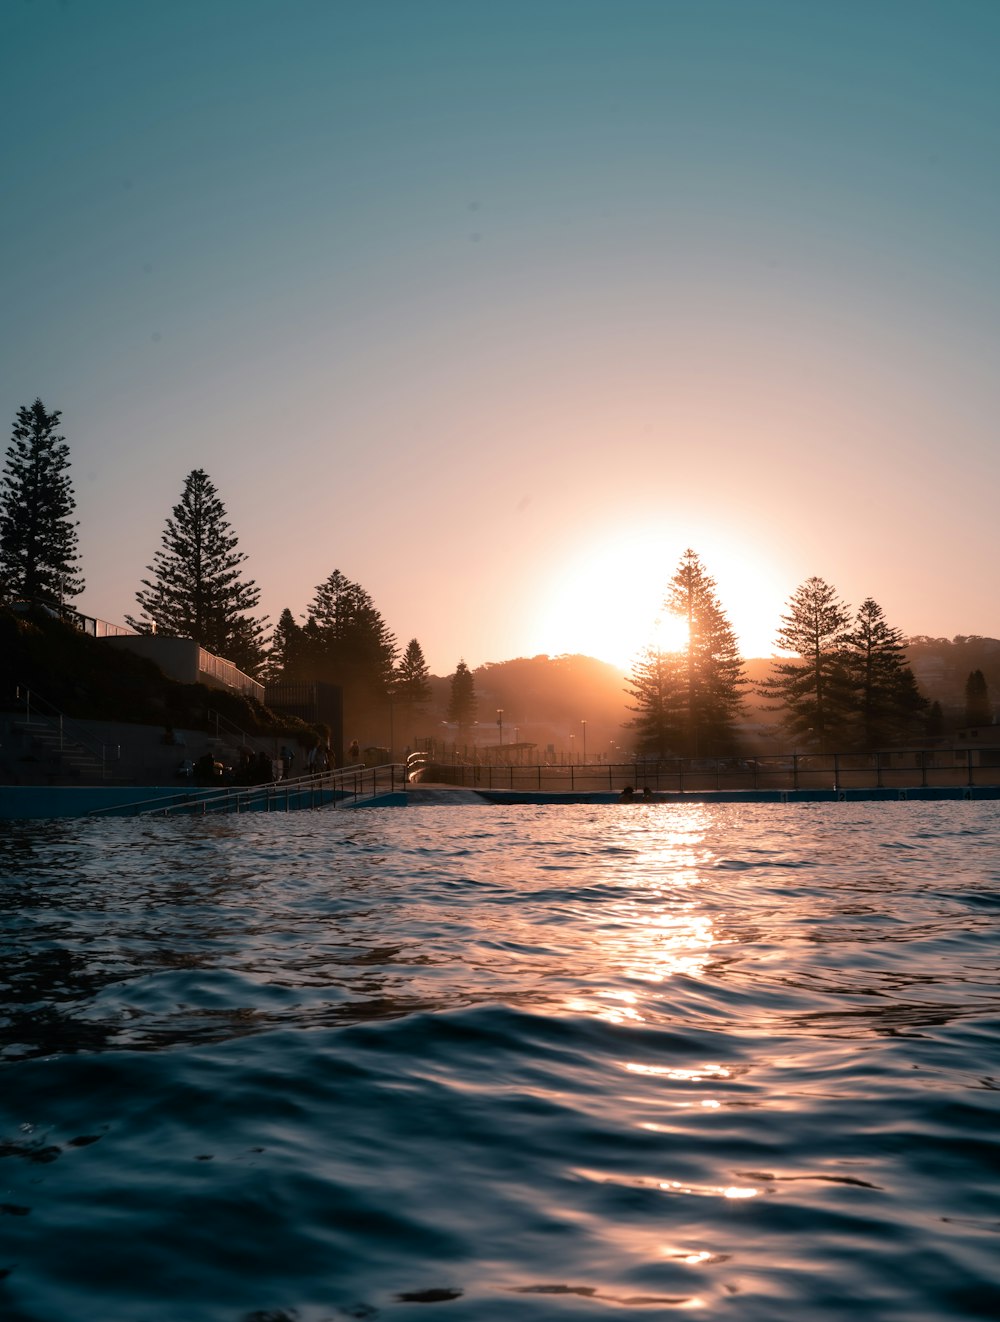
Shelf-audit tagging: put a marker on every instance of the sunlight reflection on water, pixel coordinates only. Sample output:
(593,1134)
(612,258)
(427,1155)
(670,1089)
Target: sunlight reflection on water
(654,1058)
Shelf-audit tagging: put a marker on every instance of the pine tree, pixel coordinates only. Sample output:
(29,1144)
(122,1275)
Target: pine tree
(412,683)
(411,688)
(712,670)
(656,685)
(935,721)
(887,702)
(284,659)
(197,589)
(687,702)
(348,642)
(38,540)
(978,710)
(462,702)
(814,692)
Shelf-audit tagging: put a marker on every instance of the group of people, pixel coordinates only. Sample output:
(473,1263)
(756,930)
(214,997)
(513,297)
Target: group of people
(260,768)
(628,795)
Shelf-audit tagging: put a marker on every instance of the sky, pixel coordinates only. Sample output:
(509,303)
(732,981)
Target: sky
(498,308)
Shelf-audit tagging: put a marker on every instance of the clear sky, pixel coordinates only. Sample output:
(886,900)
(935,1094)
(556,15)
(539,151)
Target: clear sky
(498,307)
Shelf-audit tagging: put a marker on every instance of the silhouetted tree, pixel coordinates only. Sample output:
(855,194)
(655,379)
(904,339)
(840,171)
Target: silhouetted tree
(462,702)
(688,702)
(411,687)
(412,683)
(38,541)
(197,589)
(713,674)
(813,693)
(887,703)
(978,710)
(346,642)
(656,685)
(935,720)
(287,645)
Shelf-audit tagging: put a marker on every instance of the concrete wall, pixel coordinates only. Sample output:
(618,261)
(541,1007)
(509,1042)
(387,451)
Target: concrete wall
(133,753)
(182,659)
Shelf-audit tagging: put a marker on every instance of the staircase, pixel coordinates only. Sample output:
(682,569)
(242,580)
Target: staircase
(82,763)
(59,740)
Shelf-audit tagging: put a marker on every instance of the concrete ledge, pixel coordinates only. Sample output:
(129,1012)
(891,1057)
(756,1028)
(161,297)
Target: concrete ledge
(35,802)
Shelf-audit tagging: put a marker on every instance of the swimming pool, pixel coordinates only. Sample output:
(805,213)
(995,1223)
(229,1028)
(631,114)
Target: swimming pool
(513,1062)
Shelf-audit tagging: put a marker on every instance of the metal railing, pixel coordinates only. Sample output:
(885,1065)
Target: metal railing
(894,769)
(228,674)
(223,724)
(326,789)
(38,711)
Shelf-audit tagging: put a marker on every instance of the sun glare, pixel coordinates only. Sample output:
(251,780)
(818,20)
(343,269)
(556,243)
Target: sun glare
(607,602)
(605,605)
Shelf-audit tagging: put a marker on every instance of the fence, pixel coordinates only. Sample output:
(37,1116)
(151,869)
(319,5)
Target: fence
(898,769)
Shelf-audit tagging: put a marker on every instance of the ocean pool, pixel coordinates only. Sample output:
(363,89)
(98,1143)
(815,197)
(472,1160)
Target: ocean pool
(726,1060)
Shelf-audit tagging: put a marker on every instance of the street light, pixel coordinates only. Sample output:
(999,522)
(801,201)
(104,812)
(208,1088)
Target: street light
(584,724)
(500,723)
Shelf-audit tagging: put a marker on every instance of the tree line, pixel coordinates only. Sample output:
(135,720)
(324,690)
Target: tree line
(197,586)
(843,684)
(844,681)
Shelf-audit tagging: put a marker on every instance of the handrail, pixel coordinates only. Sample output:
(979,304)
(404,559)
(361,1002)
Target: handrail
(57,720)
(219,719)
(323,789)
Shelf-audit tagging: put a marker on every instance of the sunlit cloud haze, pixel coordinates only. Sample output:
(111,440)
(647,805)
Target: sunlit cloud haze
(497,308)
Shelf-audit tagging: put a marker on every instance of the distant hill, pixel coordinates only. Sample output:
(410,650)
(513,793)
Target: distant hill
(942,666)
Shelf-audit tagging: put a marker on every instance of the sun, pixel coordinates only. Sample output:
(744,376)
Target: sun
(607,605)
(606,600)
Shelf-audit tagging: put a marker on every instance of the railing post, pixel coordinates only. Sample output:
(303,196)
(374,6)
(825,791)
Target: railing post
(878,771)
(795,771)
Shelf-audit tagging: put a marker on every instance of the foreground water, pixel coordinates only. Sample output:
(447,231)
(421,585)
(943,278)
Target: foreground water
(488,1063)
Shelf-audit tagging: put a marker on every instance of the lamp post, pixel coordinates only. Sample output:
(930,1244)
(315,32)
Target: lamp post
(500,724)
(584,724)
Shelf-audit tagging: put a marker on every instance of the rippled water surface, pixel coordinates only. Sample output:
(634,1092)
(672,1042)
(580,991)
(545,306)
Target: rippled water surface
(740,1061)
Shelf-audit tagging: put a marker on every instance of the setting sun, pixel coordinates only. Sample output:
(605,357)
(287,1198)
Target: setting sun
(608,601)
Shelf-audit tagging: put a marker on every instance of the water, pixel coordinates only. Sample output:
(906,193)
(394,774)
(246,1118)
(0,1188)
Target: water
(739,1061)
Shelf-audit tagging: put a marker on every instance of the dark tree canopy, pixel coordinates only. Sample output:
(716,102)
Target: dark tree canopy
(412,682)
(355,647)
(197,589)
(462,702)
(38,540)
(978,709)
(886,703)
(287,646)
(655,686)
(935,720)
(813,693)
(688,702)
(344,641)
